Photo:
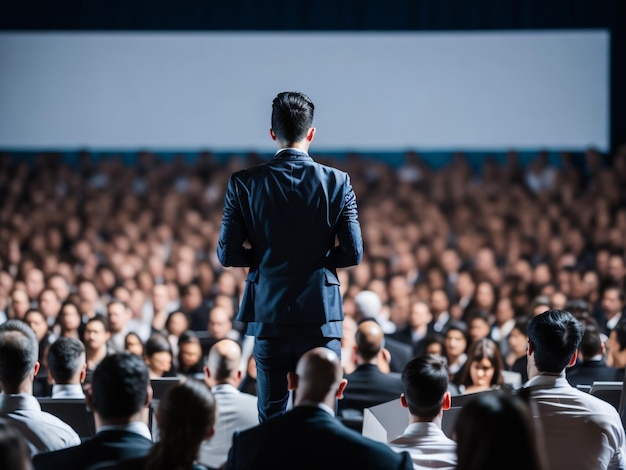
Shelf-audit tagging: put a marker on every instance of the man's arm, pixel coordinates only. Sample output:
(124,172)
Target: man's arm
(230,249)
(349,252)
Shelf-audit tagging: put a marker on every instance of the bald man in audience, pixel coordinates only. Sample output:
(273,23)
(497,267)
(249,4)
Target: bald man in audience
(368,385)
(236,411)
(309,436)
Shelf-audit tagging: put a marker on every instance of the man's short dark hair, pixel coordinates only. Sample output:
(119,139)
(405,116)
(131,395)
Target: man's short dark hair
(424,383)
(19,350)
(620,334)
(555,336)
(65,358)
(99,319)
(292,116)
(119,385)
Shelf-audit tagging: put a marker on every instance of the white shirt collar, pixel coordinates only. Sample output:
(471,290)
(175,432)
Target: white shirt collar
(137,427)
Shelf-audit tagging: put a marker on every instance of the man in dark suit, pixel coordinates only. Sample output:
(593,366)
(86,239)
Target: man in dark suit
(282,220)
(309,436)
(592,367)
(368,385)
(118,395)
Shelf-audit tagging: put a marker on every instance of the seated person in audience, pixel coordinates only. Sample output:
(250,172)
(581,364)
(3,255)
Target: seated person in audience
(67,368)
(579,430)
(425,385)
(456,342)
(236,410)
(496,430)
(14,454)
(483,368)
(190,363)
(478,325)
(592,366)
(616,349)
(134,344)
(18,406)
(368,385)
(158,356)
(185,418)
(415,333)
(308,436)
(516,360)
(38,323)
(96,338)
(70,321)
(119,393)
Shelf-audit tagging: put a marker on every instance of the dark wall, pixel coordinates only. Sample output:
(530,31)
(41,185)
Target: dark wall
(327,15)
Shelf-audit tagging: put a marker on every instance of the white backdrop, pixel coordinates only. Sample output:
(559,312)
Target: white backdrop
(373,91)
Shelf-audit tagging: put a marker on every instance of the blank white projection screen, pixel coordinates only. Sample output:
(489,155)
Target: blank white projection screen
(372,91)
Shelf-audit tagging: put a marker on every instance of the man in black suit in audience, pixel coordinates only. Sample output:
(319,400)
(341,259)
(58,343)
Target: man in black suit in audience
(592,367)
(309,436)
(368,385)
(118,395)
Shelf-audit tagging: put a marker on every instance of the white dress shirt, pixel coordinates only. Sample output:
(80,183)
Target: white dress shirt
(579,430)
(428,445)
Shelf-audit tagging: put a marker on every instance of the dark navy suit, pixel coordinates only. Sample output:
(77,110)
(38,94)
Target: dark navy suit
(309,438)
(292,211)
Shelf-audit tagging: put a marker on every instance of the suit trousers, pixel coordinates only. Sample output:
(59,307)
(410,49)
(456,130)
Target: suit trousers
(275,357)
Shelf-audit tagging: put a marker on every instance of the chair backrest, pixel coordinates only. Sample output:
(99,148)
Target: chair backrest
(160,385)
(610,392)
(73,411)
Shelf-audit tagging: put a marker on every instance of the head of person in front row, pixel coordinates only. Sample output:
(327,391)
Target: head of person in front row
(496,430)
(185,417)
(19,349)
(553,340)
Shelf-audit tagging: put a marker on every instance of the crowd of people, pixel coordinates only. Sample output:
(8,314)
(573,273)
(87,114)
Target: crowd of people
(100,258)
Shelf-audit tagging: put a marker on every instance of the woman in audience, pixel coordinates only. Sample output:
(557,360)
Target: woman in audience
(496,430)
(190,361)
(483,368)
(133,344)
(456,341)
(158,356)
(185,417)
(70,321)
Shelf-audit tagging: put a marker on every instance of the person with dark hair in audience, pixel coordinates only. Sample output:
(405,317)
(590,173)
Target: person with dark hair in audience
(95,338)
(185,418)
(134,344)
(456,342)
(478,325)
(158,356)
(236,411)
(286,440)
(616,350)
(426,395)
(367,384)
(579,430)
(67,368)
(613,302)
(118,395)
(70,323)
(14,454)
(36,320)
(592,366)
(190,362)
(517,360)
(496,430)
(18,367)
(483,368)
(299,222)
(118,319)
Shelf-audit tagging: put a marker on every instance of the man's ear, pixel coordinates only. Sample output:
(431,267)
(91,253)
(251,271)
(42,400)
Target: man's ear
(572,361)
(292,381)
(341,388)
(148,396)
(530,349)
(272,135)
(83,373)
(447,401)
(207,376)
(50,379)
(403,401)
(310,134)
(36,369)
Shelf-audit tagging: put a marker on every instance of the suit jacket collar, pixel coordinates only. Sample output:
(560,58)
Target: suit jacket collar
(291,154)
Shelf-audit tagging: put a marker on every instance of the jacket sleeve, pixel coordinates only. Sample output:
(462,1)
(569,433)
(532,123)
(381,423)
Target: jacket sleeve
(349,252)
(230,249)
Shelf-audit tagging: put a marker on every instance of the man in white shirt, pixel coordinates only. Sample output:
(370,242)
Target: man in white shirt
(236,411)
(18,367)
(426,395)
(579,430)
(67,368)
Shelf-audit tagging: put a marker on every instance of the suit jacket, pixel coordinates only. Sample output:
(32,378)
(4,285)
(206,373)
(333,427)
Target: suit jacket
(368,386)
(104,446)
(309,438)
(589,371)
(291,210)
